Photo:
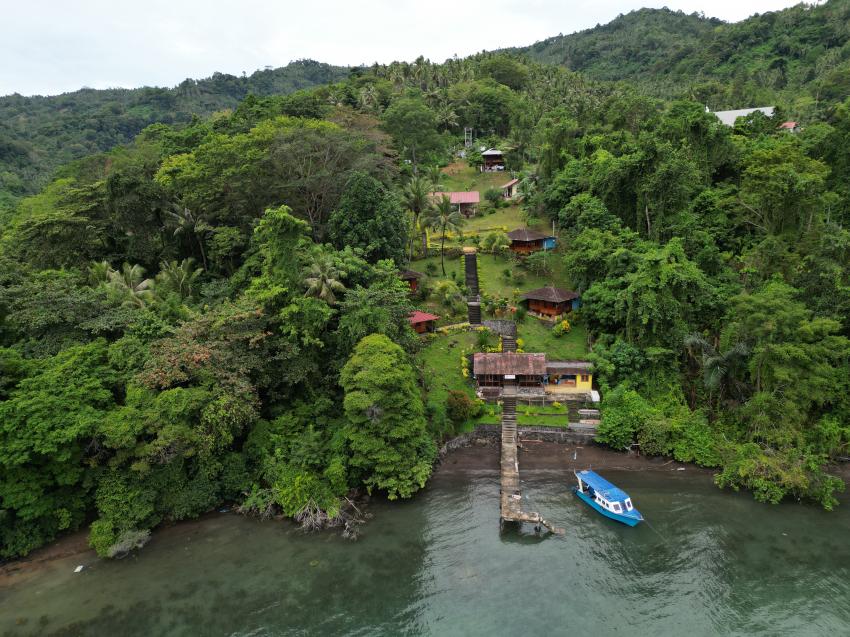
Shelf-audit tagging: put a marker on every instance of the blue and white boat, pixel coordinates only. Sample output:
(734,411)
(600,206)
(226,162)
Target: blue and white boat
(610,501)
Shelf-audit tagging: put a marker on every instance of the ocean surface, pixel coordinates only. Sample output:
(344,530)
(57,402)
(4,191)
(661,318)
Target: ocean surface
(709,562)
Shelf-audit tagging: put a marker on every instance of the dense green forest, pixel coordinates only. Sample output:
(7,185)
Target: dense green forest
(39,134)
(212,312)
(799,56)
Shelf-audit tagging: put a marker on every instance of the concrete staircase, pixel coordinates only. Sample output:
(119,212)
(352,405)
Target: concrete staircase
(509,414)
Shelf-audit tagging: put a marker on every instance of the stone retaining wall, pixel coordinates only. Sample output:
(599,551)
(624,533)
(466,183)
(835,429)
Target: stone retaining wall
(486,435)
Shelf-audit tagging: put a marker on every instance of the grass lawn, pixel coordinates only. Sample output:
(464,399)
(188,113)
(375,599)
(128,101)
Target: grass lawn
(510,218)
(440,361)
(491,274)
(459,176)
(491,278)
(538,337)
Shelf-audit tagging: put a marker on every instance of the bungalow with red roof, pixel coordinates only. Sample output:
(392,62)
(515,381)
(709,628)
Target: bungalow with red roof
(791,127)
(467,202)
(422,322)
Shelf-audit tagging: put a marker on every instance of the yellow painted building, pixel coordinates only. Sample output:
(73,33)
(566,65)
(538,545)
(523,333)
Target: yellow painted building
(568,377)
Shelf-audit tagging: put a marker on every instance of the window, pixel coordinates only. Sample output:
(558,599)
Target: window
(629,506)
(616,507)
(585,378)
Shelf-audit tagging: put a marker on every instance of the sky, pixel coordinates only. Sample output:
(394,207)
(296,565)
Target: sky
(54,46)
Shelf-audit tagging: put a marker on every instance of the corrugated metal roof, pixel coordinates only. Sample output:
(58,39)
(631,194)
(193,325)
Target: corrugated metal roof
(503,363)
(526,234)
(457,198)
(511,183)
(421,317)
(551,294)
(492,152)
(566,367)
(729,117)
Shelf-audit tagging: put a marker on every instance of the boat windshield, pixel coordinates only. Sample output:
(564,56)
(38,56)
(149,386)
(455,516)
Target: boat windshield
(628,504)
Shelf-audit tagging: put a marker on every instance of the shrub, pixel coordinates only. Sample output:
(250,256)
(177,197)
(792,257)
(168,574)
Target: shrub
(624,414)
(496,242)
(519,316)
(431,268)
(540,263)
(460,407)
(494,196)
(561,328)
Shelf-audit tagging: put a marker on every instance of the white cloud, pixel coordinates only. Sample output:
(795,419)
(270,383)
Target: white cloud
(48,47)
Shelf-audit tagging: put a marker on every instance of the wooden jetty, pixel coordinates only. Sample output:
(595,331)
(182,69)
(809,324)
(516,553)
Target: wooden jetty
(511,494)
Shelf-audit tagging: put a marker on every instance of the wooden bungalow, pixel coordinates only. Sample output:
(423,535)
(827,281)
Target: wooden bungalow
(466,202)
(550,301)
(509,190)
(422,322)
(491,369)
(494,160)
(526,241)
(411,277)
(533,374)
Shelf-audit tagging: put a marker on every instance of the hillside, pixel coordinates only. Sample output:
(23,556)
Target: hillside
(39,134)
(776,55)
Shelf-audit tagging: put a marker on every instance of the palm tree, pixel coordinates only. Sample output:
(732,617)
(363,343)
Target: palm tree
(99,273)
(180,278)
(322,280)
(187,223)
(443,217)
(718,368)
(447,118)
(417,200)
(434,174)
(131,285)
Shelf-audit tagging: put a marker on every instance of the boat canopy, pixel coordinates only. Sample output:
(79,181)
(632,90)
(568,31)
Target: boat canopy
(604,488)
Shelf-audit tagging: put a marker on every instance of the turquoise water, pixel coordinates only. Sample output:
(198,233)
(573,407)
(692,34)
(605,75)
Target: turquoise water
(711,563)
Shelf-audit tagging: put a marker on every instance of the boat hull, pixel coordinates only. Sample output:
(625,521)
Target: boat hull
(622,519)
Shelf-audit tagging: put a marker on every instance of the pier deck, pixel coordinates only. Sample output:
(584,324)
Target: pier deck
(511,494)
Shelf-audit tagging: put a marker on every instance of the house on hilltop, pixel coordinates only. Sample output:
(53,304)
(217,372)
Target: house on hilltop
(494,160)
(526,241)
